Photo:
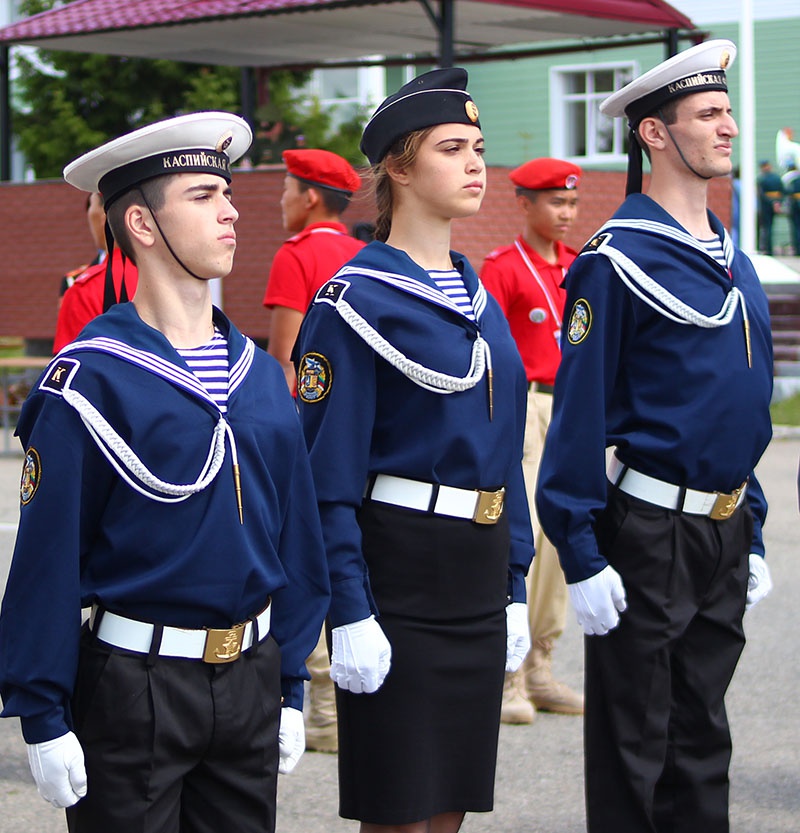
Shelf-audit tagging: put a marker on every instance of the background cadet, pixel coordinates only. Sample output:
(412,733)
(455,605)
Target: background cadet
(791,185)
(166,487)
(770,195)
(667,358)
(527,280)
(96,220)
(318,188)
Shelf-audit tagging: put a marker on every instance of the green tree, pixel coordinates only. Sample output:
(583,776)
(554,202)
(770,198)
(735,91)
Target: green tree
(66,103)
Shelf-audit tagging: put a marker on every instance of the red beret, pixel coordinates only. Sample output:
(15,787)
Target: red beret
(546,174)
(321,167)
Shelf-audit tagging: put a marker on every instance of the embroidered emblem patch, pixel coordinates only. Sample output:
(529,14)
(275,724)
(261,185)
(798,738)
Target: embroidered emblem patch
(597,241)
(31,476)
(59,374)
(580,321)
(331,291)
(314,378)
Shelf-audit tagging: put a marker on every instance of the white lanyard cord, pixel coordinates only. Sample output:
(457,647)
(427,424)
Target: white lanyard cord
(124,459)
(431,380)
(673,308)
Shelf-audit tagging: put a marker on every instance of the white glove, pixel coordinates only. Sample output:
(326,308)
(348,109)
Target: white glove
(759,582)
(361,656)
(291,739)
(518,635)
(598,601)
(58,769)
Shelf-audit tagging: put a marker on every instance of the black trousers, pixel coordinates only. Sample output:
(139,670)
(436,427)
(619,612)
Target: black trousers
(657,741)
(177,747)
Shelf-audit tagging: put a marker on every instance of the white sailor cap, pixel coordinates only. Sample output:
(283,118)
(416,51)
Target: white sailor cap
(206,142)
(697,69)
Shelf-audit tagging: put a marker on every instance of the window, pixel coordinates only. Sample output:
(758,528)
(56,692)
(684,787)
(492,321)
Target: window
(345,91)
(578,130)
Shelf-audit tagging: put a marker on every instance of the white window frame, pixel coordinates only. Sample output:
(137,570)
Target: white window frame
(369,92)
(559,98)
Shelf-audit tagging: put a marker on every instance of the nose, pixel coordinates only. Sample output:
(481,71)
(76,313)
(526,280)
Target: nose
(475,161)
(730,128)
(229,212)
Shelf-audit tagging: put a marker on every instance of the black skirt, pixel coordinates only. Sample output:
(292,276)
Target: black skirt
(426,742)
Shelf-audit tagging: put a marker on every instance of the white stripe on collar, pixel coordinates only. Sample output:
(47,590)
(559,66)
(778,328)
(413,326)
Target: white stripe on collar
(414,287)
(664,230)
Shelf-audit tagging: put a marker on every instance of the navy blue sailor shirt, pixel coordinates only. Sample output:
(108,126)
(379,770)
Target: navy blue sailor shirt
(678,402)
(88,537)
(362,416)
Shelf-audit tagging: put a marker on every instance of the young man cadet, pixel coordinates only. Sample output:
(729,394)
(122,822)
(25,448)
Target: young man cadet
(166,487)
(317,190)
(667,358)
(527,280)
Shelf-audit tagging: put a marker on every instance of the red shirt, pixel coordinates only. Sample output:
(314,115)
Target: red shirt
(83,301)
(532,298)
(305,262)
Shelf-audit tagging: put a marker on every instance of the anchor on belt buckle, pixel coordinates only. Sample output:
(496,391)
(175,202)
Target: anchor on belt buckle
(725,505)
(489,507)
(224,644)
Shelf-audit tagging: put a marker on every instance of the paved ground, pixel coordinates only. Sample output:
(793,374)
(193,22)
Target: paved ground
(539,787)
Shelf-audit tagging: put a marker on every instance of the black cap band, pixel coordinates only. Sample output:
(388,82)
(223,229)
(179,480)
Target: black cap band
(697,82)
(117,182)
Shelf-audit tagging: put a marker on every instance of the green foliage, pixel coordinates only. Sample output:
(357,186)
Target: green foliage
(787,411)
(66,103)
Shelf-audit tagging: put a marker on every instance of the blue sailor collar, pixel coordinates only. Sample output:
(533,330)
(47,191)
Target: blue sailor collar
(123,334)
(640,213)
(395,268)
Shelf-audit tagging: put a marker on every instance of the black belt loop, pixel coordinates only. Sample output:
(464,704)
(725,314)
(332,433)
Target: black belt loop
(681,499)
(99,612)
(621,476)
(434,497)
(370,486)
(155,645)
(254,624)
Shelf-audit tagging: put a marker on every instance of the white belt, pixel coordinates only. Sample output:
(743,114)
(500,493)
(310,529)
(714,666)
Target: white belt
(214,645)
(470,504)
(716,505)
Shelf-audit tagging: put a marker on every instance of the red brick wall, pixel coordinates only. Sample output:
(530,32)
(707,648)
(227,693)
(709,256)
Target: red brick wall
(46,236)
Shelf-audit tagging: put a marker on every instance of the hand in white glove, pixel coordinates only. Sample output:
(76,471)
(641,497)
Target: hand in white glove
(598,601)
(58,769)
(291,739)
(518,635)
(361,656)
(759,582)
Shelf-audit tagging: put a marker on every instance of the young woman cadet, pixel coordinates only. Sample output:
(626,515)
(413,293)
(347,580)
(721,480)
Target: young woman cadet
(412,396)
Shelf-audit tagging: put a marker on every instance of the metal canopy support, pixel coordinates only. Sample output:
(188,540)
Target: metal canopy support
(5,115)
(444,23)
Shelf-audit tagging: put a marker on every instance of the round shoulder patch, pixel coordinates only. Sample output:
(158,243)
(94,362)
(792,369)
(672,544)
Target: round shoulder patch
(580,321)
(31,476)
(314,378)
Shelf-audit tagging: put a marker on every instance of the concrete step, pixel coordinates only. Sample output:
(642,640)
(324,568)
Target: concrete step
(785,322)
(786,369)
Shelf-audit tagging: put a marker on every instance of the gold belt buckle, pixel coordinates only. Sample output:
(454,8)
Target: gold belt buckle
(725,505)
(489,507)
(224,644)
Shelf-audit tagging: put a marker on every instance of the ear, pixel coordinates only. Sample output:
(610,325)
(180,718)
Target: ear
(523,202)
(140,225)
(396,172)
(312,198)
(653,132)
